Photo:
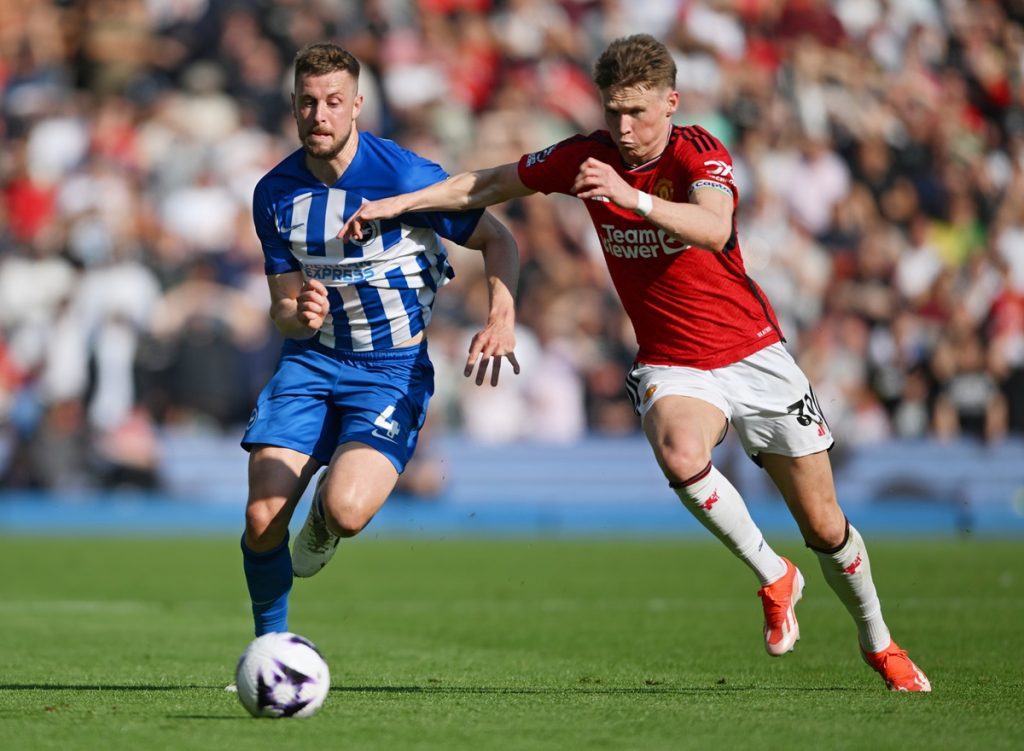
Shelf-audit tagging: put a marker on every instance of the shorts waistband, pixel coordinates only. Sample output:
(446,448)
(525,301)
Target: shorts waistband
(394,354)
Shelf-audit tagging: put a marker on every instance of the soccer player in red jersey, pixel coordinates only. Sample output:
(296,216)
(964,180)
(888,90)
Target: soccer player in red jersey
(662,199)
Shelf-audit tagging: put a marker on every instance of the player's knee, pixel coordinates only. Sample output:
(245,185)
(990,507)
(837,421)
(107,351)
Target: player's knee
(825,537)
(825,531)
(265,527)
(348,521)
(682,459)
(352,525)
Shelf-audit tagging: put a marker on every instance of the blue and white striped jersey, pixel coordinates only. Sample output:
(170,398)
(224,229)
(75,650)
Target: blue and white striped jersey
(381,289)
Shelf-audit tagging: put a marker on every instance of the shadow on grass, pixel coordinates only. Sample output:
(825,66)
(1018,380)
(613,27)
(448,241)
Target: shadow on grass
(95,687)
(441,689)
(571,690)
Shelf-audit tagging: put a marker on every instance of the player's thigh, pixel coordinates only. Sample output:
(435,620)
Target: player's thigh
(359,480)
(684,412)
(278,477)
(683,430)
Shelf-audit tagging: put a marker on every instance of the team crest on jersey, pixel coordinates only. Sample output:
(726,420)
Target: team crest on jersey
(663,189)
(649,393)
(371,231)
(253,417)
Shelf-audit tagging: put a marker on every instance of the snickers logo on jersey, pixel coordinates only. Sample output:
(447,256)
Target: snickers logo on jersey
(639,242)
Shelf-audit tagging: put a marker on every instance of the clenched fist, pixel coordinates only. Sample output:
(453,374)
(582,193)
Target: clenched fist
(312,304)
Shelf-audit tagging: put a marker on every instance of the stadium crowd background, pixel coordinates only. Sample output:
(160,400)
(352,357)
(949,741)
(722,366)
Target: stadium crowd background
(878,146)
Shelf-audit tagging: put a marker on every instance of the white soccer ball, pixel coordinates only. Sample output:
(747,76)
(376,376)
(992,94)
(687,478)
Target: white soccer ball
(282,675)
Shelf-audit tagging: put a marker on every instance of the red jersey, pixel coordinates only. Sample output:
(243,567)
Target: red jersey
(689,306)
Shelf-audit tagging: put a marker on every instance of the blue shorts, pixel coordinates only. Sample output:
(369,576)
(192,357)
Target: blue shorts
(320,398)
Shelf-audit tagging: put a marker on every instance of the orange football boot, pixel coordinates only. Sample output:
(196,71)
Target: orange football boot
(781,631)
(897,670)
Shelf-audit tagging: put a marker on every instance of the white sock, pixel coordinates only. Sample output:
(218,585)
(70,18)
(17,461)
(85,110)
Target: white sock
(848,571)
(719,507)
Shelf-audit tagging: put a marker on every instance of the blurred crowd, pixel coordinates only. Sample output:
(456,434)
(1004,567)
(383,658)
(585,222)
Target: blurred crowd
(878,148)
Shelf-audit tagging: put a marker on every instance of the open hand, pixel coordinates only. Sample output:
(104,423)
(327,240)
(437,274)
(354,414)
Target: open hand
(488,347)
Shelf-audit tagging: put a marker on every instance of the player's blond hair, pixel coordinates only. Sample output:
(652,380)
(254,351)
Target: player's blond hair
(638,60)
(322,58)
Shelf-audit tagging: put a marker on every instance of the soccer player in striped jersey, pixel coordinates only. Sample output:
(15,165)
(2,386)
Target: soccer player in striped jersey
(662,199)
(351,388)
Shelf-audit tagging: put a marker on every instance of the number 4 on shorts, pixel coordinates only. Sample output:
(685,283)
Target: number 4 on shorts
(384,422)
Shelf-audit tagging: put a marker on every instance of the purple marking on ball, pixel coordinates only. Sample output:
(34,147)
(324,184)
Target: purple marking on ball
(296,639)
(265,690)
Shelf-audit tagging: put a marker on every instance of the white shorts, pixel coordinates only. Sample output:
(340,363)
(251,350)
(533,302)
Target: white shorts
(766,397)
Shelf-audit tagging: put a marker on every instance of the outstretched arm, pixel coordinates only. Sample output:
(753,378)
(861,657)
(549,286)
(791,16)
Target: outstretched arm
(497,338)
(467,190)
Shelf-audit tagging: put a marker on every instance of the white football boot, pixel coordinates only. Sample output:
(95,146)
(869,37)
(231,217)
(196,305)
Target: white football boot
(314,545)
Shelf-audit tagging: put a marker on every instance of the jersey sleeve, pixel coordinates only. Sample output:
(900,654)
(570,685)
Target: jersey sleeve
(707,163)
(277,255)
(554,169)
(456,226)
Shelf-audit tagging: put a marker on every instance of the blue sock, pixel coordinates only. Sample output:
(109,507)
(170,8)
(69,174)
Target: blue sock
(269,576)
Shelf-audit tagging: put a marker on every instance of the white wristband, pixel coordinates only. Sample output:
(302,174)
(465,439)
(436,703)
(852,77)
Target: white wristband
(644,204)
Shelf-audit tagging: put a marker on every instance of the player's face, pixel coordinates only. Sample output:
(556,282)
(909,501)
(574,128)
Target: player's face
(325,109)
(639,119)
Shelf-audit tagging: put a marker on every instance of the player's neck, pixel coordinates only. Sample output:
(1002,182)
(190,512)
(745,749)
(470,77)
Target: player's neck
(329,171)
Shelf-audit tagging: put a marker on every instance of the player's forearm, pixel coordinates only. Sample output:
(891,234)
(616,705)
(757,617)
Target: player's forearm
(501,267)
(285,315)
(693,224)
(467,190)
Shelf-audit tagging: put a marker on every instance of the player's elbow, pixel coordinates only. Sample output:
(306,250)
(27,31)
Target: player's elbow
(719,238)
(501,240)
(491,186)
(493,238)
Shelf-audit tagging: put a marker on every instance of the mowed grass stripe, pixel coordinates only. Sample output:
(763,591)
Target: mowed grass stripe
(530,644)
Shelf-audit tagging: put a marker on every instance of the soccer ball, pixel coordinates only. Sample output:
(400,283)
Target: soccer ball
(282,675)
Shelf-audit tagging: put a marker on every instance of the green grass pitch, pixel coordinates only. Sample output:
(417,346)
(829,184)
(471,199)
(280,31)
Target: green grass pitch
(504,644)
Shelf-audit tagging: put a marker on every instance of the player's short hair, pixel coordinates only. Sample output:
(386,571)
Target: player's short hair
(638,60)
(322,58)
